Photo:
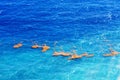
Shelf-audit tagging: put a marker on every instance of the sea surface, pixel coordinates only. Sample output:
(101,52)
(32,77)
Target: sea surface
(91,26)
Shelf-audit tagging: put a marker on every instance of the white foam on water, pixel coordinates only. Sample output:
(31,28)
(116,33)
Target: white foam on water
(118,78)
(118,66)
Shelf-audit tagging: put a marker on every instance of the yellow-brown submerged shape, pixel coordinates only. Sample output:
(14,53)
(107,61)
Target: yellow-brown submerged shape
(45,48)
(56,53)
(112,53)
(65,54)
(61,54)
(87,55)
(75,56)
(35,46)
(18,45)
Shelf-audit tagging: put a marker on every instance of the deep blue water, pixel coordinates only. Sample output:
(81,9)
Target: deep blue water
(81,23)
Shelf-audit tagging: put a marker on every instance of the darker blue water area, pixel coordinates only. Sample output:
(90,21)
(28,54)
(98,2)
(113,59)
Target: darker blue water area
(91,26)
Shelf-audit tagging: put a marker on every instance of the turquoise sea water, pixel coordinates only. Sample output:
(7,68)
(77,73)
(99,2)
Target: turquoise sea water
(82,25)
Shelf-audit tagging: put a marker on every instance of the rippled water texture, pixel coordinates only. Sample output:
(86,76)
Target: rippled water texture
(82,25)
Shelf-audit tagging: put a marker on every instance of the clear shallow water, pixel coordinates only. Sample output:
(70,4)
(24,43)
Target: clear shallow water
(84,24)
